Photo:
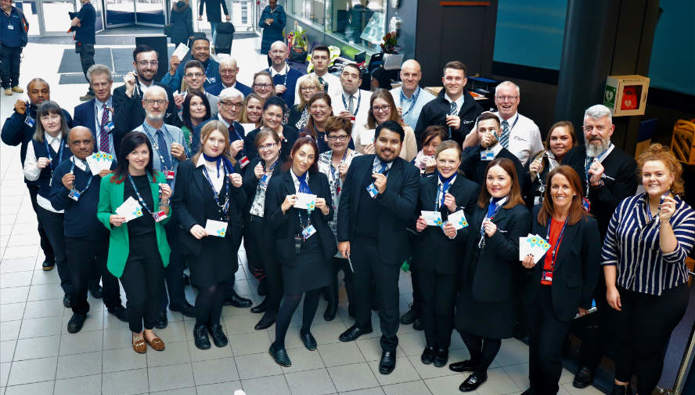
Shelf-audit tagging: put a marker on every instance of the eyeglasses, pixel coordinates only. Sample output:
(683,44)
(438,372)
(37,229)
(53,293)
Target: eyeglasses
(263,85)
(231,104)
(194,75)
(307,88)
(506,98)
(266,146)
(228,71)
(146,62)
(159,102)
(599,128)
(381,108)
(340,138)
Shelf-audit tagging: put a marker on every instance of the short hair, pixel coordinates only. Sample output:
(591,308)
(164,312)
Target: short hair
(142,48)
(335,124)
(263,73)
(354,66)
(514,194)
(230,93)
(99,69)
(577,211)
(49,107)
(198,38)
(457,65)
(155,90)
(385,95)
(598,111)
(665,156)
(193,63)
(275,101)
(280,42)
(307,80)
(263,134)
(321,48)
(487,115)
(448,144)
(227,60)
(38,80)
(559,124)
(433,131)
(508,83)
(392,126)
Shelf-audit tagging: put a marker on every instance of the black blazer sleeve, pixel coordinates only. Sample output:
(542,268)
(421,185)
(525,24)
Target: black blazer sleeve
(182,196)
(346,201)
(505,242)
(274,196)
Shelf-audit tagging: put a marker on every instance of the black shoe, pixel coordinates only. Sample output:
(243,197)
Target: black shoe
(388,362)
(583,378)
(67,301)
(76,322)
(200,337)
(96,291)
(331,310)
(409,317)
(120,312)
(528,392)
(473,381)
(266,321)
(280,356)
(352,333)
(162,322)
(418,325)
(427,355)
(441,357)
(237,301)
(218,336)
(621,389)
(308,340)
(262,288)
(185,309)
(463,366)
(47,265)
(261,307)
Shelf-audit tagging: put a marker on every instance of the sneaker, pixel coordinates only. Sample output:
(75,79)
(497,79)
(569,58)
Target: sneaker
(8,92)
(17,89)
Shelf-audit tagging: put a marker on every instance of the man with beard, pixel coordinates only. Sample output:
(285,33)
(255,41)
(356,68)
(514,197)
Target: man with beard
(19,129)
(129,112)
(609,176)
(376,206)
(284,77)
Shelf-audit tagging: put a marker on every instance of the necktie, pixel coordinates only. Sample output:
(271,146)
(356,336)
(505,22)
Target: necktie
(452,111)
(324,83)
(163,152)
(504,139)
(351,104)
(103,134)
(380,167)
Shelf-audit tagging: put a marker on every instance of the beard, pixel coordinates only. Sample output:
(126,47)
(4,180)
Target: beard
(155,117)
(595,149)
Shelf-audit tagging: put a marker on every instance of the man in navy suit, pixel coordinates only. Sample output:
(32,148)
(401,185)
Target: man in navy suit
(228,72)
(97,114)
(284,77)
(377,204)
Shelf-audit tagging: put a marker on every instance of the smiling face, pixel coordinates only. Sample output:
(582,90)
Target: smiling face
(302,159)
(381,110)
(201,50)
(307,90)
(51,123)
(215,144)
(197,108)
(338,141)
(39,92)
(498,182)
(228,74)
(272,117)
(448,162)
(454,80)
(320,111)
(410,75)
(597,134)
(81,142)
(194,78)
(254,110)
(155,105)
(561,192)
(263,86)
(657,178)
(387,145)
(278,54)
(138,158)
(560,141)
(268,149)
(230,109)
(146,64)
(507,100)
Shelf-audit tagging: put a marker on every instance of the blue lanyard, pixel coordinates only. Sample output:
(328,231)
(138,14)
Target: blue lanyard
(498,205)
(284,81)
(155,145)
(75,185)
(441,192)
(224,206)
(359,99)
(414,100)
(50,157)
(137,193)
(333,169)
(587,165)
(239,136)
(553,256)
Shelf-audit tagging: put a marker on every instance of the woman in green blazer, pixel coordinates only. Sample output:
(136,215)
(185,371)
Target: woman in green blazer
(138,249)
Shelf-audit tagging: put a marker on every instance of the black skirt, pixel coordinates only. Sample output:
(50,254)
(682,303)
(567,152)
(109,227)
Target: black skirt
(309,271)
(484,319)
(216,263)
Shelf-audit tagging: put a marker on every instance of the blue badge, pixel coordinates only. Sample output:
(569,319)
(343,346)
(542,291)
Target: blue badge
(371,188)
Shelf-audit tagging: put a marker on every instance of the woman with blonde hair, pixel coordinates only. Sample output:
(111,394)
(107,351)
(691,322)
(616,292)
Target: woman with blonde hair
(307,86)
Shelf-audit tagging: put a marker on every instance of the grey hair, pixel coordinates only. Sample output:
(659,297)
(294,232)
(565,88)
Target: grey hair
(227,60)
(598,111)
(99,69)
(508,83)
(230,93)
(155,90)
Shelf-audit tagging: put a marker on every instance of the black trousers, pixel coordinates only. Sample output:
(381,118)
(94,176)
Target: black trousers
(331,290)
(438,300)
(368,267)
(418,298)
(45,244)
(87,259)
(546,339)
(143,280)
(260,247)
(645,324)
(9,65)
(174,272)
(86,52)
(53,226)
(253,252)
(597,331)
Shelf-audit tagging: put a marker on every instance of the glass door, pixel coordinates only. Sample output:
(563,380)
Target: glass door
(119,12)
(150,12)
(243,14)
(53,17)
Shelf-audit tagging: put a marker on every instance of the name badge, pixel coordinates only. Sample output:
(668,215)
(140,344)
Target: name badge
(10,27)
(244,161)
(547,278)
(170,174)
(264,180)
(74,195)
(371,189)
(587,204)
(29,121)
(487,155)
(108,127)
(308,232)
(159,216)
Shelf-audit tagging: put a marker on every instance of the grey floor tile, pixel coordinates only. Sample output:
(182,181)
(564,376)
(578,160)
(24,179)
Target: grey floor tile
(174,332)
(123,359)
(16,279)
(94,321)
(7,350)
(37,347)
(518,374)
(256,365)
(86,385)
(36,327)
(590,390)
(20,252)
(42,277)
(326,333)
(11,312)
(276,385)
(335,354)
(366,391)
(211,353)
(311,382)
(303,359)
(170,377)
(512,352)
(43,388)
(412,343)
(116,338)
(125,383)
(241,323)
(219,388)
(9,330)
(352,377)
(174,354)
(414,388)
(429,371)
(32,370)
(4,373)
(13,295)
(498,382)
(249,343)
(215,371)
(84,341)
(178,391)
(403,372)
(79,365)
(447,385)
(17,265)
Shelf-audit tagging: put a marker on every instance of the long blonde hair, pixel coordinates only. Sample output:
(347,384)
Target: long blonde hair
(205,133)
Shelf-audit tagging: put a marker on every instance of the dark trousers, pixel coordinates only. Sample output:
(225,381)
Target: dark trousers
(143,280)
(368,267)
(86,52)
(546,339)
(260,248)
(646,323)
(254,254)
(331,290)
(439,297)
(9,65)
(87,260)
(174,272)
(418,299)
(45,244)
(53,226)
(596,331)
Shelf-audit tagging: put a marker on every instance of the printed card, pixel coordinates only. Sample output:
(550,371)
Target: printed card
(458,219)
(216,228)
(432,218)
(130,209)
(305,201)
(99,161)
(181,51)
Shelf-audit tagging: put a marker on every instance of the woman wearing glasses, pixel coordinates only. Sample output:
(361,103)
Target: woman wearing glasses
(263,85)
(273,115)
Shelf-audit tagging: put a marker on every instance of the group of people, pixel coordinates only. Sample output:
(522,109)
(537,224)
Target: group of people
(317,176)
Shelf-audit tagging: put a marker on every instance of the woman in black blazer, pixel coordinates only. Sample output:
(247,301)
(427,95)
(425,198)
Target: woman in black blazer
(438,249)
(485,307)
(261,261)
(208,190)
(561,284)
(304,244)
(274,111)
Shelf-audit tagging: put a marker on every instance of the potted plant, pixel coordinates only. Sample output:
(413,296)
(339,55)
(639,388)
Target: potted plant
(297,43)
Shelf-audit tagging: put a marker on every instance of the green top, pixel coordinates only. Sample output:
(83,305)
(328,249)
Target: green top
(110,198)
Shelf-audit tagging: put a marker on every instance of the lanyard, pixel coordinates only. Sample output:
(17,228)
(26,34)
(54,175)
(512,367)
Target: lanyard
(75,184)
(414,100)
(222,207)
(514,124)
(284,81)
(155,145)
(50,157)
(359,99)
(587,165)
(553,256)
(333,171)
(239,136)
(137,193)
(498,205)
(441,192)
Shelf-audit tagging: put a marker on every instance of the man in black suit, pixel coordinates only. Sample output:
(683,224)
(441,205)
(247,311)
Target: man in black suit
(475,159)
(608,176)
(127,99)
(377,204)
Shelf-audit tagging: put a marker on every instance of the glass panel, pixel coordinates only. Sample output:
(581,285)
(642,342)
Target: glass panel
(31,12)
(150,12)
(55,15)
(119,12)
(359,22)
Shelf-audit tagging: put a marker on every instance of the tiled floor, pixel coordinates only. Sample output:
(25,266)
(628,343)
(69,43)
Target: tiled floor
(38,356)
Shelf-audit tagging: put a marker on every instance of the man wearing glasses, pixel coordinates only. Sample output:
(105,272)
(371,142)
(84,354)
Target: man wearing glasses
(229,112)
(228,72)
(520,135)
(193,80)
(127,99)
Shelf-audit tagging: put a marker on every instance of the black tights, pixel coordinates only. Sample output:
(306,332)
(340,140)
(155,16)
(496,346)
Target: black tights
(288,306)
(482,349)
(208,305)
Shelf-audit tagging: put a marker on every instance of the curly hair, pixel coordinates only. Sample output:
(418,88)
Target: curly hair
(664,155)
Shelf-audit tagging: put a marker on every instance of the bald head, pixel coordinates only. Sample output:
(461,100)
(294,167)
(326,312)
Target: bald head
(278,55)
(81,142)
(411,73)
(38,91)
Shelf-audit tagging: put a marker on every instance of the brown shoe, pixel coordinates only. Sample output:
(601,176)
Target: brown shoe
(156,343)
(139,345)
(17,89)
(8,92)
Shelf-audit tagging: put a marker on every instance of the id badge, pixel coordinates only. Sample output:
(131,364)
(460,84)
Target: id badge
(298,244)
(371,188)
(487,155)
(170,174)
(264,180)
(587,204)
(29,121)
(108,127)
(244,161)
(308,232)
(547,277)
(159,216)
(10,27)
(74,195)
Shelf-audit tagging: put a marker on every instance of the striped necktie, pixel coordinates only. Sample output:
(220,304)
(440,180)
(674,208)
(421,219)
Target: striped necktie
(504,139)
